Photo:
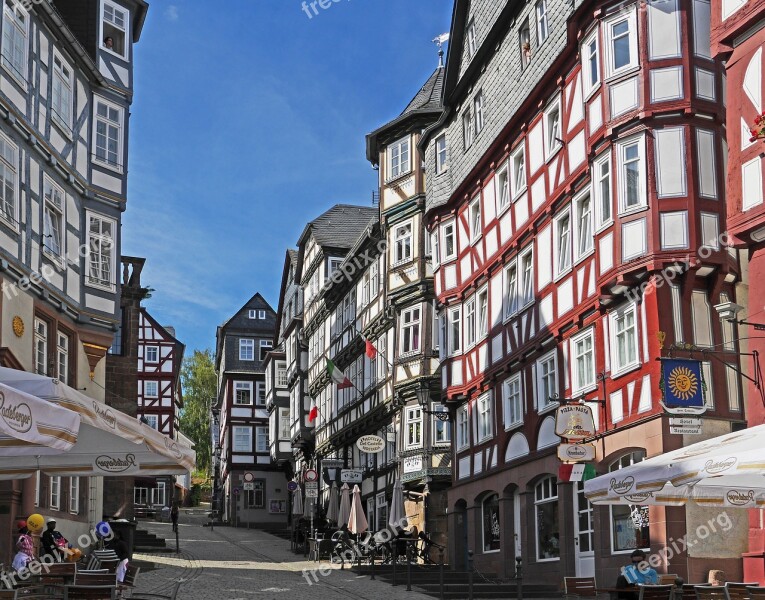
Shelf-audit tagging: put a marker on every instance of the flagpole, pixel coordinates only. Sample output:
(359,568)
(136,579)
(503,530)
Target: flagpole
(366,339)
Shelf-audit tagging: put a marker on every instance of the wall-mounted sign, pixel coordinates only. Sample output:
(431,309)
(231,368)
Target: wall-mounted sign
(292,486)
(350,476)
(248,486)
(576,452)
(311,493)
(683,386)
(248,477)
(371,444)
(412,464)
(574,422)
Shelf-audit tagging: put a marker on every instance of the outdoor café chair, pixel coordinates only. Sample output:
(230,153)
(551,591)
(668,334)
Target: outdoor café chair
(656,592)
(711,592)
(125,589)
(756,592)
(579,587)
(171,596)
(90,592)
(739,591)
(85,578)
(39,592)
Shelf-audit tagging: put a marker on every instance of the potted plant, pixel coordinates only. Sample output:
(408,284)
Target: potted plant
(758,130)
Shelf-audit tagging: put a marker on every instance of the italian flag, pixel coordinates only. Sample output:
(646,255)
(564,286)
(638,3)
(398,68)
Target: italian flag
(576,472)
(337,376)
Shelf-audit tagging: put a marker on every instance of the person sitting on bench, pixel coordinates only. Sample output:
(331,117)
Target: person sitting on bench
(638,572)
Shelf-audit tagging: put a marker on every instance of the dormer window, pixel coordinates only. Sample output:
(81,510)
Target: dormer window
(472,46)
(114,29)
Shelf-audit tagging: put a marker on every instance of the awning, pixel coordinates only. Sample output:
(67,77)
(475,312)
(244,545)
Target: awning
(727,471)
(108,442)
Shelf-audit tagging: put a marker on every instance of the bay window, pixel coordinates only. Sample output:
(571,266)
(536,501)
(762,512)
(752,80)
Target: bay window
(441,154)
(410,330)
(467,129)
(442,434)
(583,359)
(398,158)
(448,232)
(590,63)
(402,243)
(242,438)
(454,330)
(601,187)
(632,187)
(624,338)
(101,246)
(413,427)
(261,439)
(620,38)
(243,393)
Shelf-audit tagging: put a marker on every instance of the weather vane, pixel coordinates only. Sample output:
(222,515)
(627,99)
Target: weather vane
(440,41)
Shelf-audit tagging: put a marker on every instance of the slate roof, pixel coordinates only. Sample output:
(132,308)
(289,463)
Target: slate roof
(429,96)
(340,226)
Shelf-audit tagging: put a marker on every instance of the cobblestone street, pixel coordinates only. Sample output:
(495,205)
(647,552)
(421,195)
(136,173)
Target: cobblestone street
(232,564)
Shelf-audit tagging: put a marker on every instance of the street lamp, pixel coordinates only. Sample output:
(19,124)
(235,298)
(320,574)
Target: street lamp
(423,399)
(728,311)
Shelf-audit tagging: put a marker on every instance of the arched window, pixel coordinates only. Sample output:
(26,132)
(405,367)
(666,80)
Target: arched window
(490,512)
(629,524)
(546,513)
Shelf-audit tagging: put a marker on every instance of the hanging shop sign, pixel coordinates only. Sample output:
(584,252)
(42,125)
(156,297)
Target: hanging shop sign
(350,476)
(371,444)
(683,386)
(574,422)
(576,452)
(412,464)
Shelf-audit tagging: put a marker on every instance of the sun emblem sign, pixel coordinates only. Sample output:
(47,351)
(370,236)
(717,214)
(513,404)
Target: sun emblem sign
(682,383)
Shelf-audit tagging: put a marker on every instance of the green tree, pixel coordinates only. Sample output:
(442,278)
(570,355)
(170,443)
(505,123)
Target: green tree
(200,386)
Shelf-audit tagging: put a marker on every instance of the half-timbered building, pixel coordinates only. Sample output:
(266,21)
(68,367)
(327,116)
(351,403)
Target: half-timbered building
(66,85)
(575,198)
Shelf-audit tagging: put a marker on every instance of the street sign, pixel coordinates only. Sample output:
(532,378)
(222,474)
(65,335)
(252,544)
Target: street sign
(248,477)
(309,493)
(292,486)
(685,422)
(685,430)
(249,486)
(350,476)
(311,485)
(576,452)
(311,475)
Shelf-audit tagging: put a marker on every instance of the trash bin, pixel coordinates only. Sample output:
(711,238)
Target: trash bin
(163,515)
(127,528)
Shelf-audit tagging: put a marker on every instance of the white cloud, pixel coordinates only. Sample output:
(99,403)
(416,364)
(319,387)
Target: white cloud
(171,13)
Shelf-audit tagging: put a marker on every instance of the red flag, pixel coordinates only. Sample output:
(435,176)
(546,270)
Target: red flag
(371,351)
(313,414)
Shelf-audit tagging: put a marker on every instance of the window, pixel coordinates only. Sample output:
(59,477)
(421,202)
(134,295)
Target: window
(41,347)
(470,329)
(152,421)
(472,46)
(482,301)
(413,427)
(261,314)
(631,156)
(454,330)
(152,354)
(491,529)
(527,278)
(402,243)
(410,330)
(583,358)
(108,134)
(435,248)
(243,393)
(512,405)
(74,495)
(546,509)
(252,314)
(475,218)
(467,129)
(61,97)
(14,53)
(8,170)
(630,526)
(562,243)
(450,242)
(502,188)
(524,43)
(381,510)
(285,432)
(547,380)
(55,492)
(242,437)
(463,428)
(260,393)
(371,515)
(583,220)
(485,417)
(590,63)
(442,157)
(478,110)
(441,432)
(553,139)
(398,157)
(334,265)
(246,349)
(265,347)
(624,340)
(511,290)
(620,40)
(52,219)
(100,251)
(113,29)
(601,177)
(256,497)
(542,25)
(150,389)
(518,165)
(281,374)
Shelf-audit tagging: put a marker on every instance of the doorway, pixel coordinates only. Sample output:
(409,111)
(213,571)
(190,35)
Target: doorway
(583,530)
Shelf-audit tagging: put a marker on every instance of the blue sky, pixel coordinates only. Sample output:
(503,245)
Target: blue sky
(248,121)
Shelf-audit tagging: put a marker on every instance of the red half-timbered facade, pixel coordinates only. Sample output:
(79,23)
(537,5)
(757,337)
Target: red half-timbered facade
(577,234)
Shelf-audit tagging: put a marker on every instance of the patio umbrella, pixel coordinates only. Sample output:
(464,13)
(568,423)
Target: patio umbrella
(332,508)
(345,505)
(297,502)
(309,504)
(357,521)
(724,471)
(397,516)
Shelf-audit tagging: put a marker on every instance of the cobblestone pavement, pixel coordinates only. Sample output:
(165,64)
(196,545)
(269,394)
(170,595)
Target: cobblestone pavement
(241,564)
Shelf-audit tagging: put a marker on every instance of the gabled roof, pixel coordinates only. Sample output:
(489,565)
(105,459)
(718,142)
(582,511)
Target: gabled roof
(340,226)
(429,96)
(257,299)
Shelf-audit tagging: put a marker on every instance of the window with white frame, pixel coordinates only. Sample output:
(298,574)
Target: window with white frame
(74,495)
(467,129)
(454,330)
(470,322)
(62,357)
(442,157)
(601,187)
(55,492)
(413,427)
(101,251)
(285,432)
(632,189)
(518,166)
(474,216)
(527,277)
(552,128)
(8,180)
(482,312)
(14,45)
(252,314)
(510,296)
(281,374)
(485,406)
(512,403)
(53,239)
(583,361)
(478,111)
(256,497)
(472,45)
(450,241)
(502,188)
(150,389)
(546,518)
(114,21)
(410,330)
(246,349)
(441,432)
(402,243)
(562,243)
(547,379)
(462,427)
(260,393)
(624,338)
(261,439)
(243,393)
(61,96)
(108,133)
(152,354)
(265,347)
(242,438)
(41,347)
(590,63)
(543,29)
(435,248)
(585,240)
(399,158)
(381,510)
(620,39)
(152,421)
